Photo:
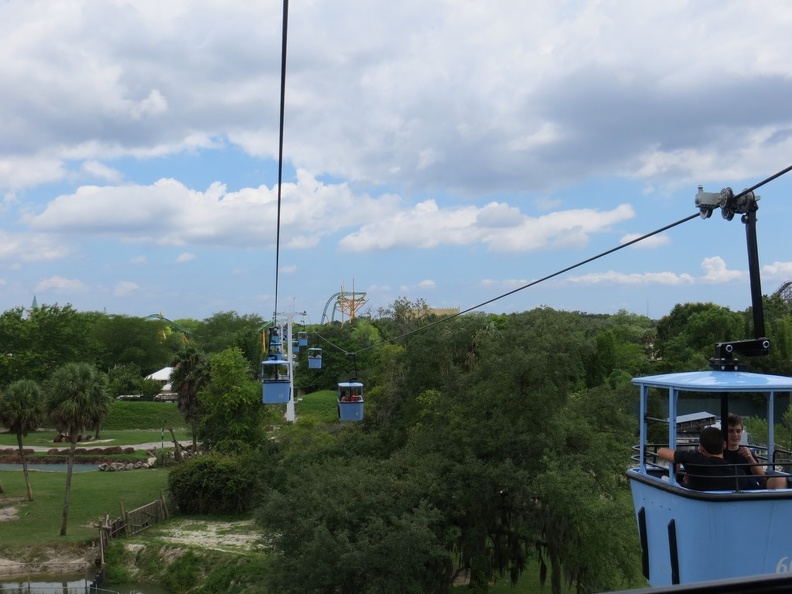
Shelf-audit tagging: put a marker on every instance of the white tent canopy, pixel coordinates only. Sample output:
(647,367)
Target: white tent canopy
(163,375)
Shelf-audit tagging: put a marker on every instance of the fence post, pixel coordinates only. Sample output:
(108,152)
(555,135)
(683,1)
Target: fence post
(125,519)
(164,504)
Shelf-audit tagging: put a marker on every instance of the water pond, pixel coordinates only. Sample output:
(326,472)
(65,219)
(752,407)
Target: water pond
(70,584)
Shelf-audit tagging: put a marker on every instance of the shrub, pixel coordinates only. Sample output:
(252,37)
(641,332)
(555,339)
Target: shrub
(214,483)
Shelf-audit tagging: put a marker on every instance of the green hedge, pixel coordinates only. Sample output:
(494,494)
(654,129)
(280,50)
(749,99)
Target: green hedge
(214,484)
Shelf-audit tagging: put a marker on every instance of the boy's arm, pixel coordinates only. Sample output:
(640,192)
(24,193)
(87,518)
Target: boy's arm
(666,454)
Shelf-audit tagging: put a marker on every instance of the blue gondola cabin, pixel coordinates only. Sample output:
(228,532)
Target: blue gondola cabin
(350,401)
(314,358)
(275,381)
(691,535)
(302,338)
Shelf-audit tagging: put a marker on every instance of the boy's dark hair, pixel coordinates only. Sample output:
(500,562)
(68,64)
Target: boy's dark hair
(735,420)
(711,439)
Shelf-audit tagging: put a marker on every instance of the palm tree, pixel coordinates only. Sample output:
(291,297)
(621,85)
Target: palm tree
(190,373)
(22,411)
(78,399)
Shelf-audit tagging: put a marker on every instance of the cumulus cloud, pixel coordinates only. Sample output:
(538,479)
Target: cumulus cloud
(500,227)
(101,171)
(645,278)
(184,257)
(58,283)
(31,247)
(436,126)
(652,242)
(125,288)
(778,270)
(169,213)
(536,96)
(505,284)
(714,271)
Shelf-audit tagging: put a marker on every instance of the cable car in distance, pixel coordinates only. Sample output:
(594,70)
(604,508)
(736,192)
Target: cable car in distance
(302,338)
(274,344)
(275,381)
(350,401)
(314,358)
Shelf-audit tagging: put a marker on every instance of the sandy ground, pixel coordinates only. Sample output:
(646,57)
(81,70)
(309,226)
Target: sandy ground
(220,536)
(239,536)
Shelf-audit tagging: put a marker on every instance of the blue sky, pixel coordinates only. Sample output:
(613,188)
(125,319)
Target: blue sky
(449,151)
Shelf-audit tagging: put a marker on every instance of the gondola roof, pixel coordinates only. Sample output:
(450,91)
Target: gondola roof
(718,381)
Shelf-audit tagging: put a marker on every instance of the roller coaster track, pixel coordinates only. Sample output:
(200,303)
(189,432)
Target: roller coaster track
(173,325)
(348,302)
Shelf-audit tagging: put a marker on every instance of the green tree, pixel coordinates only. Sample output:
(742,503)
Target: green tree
(35,342)
(78,400)
(128,379)
(15,346)
(190,373)
(228,329)
(686,337)
(232,414)
(60,334)
(530,463)
(353,525)
(127,340)
(21,411)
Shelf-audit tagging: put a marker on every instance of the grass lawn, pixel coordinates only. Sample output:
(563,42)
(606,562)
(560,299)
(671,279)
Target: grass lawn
(320,407)
(93,495)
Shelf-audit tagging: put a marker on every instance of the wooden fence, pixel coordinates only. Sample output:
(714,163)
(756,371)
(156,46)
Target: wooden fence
(127,524)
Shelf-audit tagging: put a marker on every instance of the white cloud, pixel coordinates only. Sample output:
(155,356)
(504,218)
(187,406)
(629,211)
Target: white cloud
(169,213)
(124,288)
(715,271)
(184,257)
(25,171)
(500,227)
(499,215)
(101,171)
(58,283)
(152,105)
(643,278)
(427,284)
(510,126)
(535,95)
(30,247)
(505,284)
(652,242)
(777,271)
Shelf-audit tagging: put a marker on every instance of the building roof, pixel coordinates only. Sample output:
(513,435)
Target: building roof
(163,375)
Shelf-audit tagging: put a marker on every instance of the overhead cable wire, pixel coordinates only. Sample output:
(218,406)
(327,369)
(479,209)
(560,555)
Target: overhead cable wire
(332,344)
(581,263)
(280,147)
(541,280)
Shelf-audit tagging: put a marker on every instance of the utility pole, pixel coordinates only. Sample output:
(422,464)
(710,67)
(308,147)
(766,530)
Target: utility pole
(287,334)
